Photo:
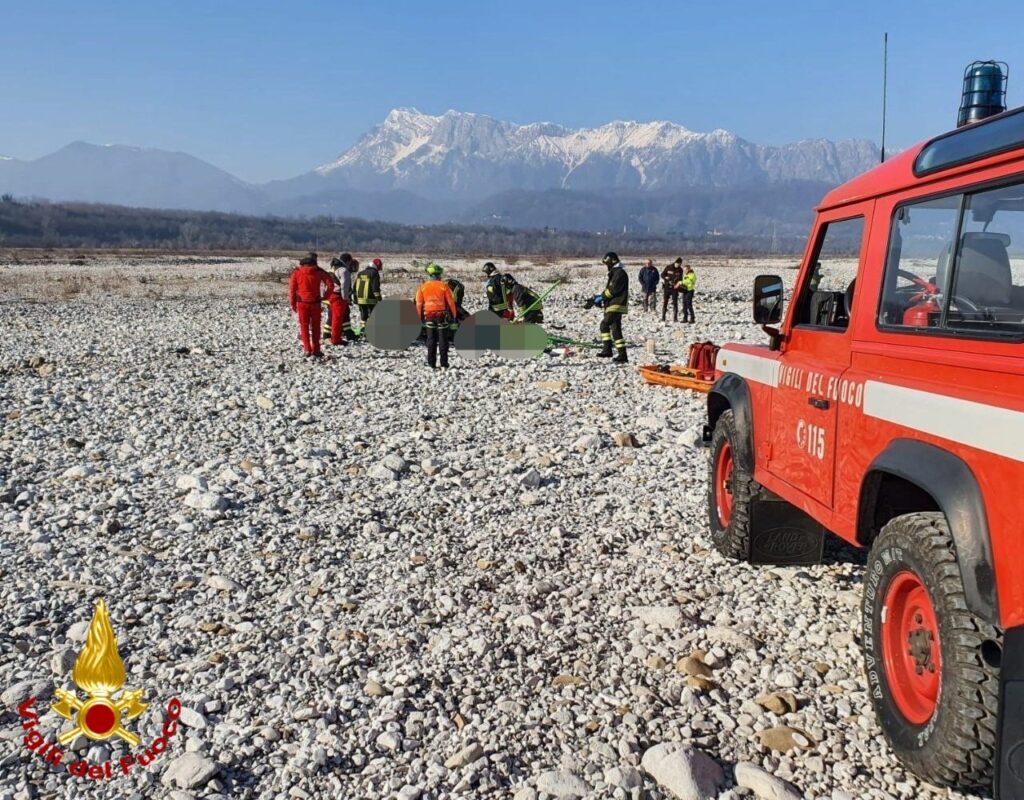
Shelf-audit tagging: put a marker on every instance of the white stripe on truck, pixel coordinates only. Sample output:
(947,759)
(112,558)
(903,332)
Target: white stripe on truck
(989,428)
(751,367)
(993,429)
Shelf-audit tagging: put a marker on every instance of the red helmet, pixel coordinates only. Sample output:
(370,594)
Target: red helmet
(378,263)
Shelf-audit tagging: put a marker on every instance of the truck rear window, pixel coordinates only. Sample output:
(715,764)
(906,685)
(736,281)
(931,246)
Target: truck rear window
(976,141)
(956,266)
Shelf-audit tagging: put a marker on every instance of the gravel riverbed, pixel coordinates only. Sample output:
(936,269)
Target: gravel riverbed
(365,579)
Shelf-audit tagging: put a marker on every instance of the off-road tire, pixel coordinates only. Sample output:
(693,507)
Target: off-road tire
(956,746)
(733,540)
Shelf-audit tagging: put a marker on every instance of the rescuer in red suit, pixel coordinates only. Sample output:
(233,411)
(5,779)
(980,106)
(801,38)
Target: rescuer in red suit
(339,315)
(304,295)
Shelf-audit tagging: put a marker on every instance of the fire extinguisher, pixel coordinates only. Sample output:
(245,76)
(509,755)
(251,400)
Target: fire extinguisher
(921,314)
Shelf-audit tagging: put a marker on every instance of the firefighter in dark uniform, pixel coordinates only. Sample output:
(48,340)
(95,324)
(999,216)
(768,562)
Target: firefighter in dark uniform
(458,292)
(497,297)
(523,298)
(614,300)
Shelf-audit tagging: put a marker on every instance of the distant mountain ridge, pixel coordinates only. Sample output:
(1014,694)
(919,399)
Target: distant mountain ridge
(475,156)
(464,167)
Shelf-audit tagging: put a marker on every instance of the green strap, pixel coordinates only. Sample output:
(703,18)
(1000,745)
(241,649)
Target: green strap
(538,301)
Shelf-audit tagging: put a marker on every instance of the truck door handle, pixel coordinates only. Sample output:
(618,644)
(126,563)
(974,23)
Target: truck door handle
(819,404)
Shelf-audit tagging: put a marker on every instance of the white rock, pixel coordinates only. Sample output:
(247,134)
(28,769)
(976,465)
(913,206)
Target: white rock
(659,616)
(627,778)
(688,773)
(389,741)
(79,631)
(188,482)
(786,680)
(205,501)
(765,785)
(222,583)
(394,462)
(81,472)
(189,771)
(562,783)
(192,718)
(430,466)
(590,441)
(467,755)
(729,636)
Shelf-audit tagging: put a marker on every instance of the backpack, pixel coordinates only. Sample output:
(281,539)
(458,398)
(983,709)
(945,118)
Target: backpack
(702,359)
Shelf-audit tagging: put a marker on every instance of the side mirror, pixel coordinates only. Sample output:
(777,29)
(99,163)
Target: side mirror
(768,299)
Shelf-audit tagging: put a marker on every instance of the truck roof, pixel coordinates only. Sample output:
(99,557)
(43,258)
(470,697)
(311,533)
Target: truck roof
(991,141)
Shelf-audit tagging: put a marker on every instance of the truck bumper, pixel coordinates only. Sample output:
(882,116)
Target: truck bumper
(1009,779)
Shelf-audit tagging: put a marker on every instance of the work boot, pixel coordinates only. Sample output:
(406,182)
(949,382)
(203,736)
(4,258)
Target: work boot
(620,357)
(606,352)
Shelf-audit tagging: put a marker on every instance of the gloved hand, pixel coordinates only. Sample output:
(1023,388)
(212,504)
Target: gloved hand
(599,300)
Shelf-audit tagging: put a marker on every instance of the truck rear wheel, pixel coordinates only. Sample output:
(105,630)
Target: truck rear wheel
(731,489)
(935,695)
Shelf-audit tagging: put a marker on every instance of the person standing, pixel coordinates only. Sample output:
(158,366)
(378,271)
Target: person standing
(649,277)
(368,288)
(435,306)
(614,300)
(306,288)
(671,278)
(689,284)
(497,296)
(342,266)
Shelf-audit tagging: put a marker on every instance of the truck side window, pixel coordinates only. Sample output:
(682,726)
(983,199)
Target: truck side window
(826,297)
(987,289)
(973,285)
(920,253)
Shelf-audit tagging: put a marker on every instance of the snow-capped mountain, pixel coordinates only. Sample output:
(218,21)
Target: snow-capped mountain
(465,167)
(474,156)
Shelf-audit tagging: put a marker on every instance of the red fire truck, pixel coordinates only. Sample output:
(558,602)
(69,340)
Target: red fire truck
(888,409)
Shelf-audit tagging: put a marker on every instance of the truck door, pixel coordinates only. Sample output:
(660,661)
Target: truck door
(816,353)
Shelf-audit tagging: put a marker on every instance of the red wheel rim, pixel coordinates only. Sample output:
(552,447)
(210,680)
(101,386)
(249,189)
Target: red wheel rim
(910,648)
(723,484)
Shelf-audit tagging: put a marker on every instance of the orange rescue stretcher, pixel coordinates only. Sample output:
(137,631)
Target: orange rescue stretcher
(675,375)
(698,374)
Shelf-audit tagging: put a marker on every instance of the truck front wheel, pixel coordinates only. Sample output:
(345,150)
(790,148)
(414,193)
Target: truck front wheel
(935,695)
(731,489)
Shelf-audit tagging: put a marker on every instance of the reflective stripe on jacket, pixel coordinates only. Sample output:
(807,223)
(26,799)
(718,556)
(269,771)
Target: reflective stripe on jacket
(616,292)
(690,281)
(497,299)
(368,287)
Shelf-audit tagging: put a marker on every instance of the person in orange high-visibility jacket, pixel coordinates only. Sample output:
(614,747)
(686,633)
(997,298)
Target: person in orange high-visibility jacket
(435,305)
(306,288)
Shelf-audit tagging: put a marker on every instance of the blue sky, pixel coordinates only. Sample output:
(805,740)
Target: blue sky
(270,89)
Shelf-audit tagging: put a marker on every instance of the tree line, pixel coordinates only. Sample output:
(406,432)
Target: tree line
(40,223)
